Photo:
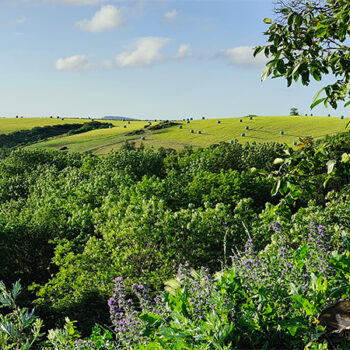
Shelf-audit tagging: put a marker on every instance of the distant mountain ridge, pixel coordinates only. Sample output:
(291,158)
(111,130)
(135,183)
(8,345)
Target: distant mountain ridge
(111,117)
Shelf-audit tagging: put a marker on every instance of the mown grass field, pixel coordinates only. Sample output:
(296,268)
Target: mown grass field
(97,141)
(260,129)
(8,125)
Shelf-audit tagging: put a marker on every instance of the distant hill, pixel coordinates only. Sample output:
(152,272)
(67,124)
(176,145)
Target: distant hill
(111,117)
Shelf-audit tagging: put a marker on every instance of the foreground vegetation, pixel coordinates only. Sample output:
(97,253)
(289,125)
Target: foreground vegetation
(250,240)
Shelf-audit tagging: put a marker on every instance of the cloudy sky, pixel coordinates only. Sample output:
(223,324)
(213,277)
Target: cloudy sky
(139,58)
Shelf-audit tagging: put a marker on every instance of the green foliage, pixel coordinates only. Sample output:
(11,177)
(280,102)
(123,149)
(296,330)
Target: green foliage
(19,327)
(228,188)
(140,240)
(225,156)
(137,162)
(93,125)
(63,338)
(310,172)
(309,41)
(269,299)
(70,224)
(162,125)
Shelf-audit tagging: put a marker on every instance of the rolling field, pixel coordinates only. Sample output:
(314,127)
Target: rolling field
(8,125)
(97,141)
(260,129)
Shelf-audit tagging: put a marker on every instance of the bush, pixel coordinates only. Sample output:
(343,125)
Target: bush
(228,188)
(269,299)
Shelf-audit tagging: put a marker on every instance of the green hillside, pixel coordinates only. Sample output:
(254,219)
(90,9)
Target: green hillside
(260,129)
(8,125)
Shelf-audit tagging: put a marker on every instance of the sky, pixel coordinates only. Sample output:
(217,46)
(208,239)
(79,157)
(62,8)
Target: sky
(147,59)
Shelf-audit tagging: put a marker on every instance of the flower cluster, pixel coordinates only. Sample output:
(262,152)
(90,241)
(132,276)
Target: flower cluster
(199,284)
(124,315)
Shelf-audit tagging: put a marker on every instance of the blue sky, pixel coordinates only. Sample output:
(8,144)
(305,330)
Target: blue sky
(139,58)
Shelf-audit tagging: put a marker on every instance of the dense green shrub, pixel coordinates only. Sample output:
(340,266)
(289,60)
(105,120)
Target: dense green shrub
(225,156)
(229,188)
(137,162)
(20,169)
(141,240)
(71,223)
(269,299)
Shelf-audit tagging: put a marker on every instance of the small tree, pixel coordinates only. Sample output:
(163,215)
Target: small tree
(309,40)
(294,111)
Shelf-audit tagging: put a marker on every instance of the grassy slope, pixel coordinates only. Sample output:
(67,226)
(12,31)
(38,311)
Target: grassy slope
(8,125)
(98,141)
(261,129)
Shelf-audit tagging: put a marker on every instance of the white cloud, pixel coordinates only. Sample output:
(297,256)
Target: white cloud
(243,56)
(145,53)
(183,52)
(169,16)
(108,64)
(74,63)
(108,17)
